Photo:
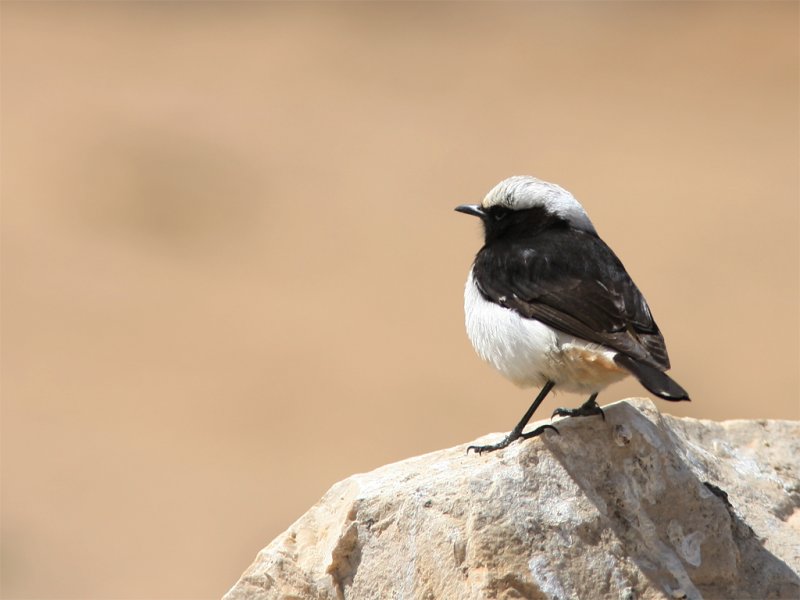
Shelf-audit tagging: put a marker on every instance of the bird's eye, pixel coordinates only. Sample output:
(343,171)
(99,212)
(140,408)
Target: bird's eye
(499,213)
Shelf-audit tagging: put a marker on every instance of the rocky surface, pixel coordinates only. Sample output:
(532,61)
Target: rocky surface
(641,505)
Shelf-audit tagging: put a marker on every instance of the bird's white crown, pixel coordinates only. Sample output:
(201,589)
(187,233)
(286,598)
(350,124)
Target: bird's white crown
(522,191)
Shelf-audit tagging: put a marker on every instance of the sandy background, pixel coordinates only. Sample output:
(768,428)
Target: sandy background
(232,274)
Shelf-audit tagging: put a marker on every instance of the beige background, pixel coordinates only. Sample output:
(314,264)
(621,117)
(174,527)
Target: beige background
(232,274)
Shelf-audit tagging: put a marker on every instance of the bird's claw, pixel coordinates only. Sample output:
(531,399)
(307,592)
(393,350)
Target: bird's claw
(581,411)
(489,448)
(511,438)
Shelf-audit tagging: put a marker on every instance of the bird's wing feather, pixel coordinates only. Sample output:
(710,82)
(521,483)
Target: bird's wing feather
(572,281)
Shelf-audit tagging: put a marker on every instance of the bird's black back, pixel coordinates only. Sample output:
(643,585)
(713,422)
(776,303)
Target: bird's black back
(540,267)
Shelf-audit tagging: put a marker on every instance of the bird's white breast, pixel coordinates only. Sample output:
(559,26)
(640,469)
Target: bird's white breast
(530,353)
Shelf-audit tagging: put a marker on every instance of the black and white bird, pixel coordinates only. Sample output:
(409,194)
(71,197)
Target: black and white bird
(549,304)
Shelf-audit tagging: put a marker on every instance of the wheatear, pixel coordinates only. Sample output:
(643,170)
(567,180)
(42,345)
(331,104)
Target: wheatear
(548,303)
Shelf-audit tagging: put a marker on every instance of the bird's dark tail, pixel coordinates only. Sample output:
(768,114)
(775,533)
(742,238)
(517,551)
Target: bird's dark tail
(653,379)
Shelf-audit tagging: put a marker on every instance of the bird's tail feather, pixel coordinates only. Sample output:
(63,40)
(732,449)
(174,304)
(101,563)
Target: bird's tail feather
(653,379)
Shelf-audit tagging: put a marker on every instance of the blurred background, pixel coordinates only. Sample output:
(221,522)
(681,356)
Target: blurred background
(232,274)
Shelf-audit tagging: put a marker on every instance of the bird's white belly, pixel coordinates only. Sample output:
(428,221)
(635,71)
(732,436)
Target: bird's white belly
(530,353)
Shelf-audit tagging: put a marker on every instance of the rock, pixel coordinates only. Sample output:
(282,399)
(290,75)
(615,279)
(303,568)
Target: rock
(639,506)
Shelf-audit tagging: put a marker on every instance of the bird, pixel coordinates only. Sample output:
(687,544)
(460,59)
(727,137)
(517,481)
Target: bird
(548,304)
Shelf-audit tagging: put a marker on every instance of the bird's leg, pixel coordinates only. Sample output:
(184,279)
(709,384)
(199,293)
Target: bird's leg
(516,433)
(587,409)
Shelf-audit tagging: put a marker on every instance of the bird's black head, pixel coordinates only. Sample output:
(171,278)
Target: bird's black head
(520,207)
(501,222)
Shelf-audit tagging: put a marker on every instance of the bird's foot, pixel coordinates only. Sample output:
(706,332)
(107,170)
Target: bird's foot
(587,409)
(511,437)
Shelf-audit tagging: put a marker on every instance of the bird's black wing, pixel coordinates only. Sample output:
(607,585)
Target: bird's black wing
(572,281)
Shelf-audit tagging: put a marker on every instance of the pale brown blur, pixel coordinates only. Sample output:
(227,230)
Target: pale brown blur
(232,274)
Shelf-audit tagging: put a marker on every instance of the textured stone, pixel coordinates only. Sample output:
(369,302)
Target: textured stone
(641,505)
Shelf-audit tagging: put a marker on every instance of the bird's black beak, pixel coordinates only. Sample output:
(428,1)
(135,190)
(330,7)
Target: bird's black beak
(471,209)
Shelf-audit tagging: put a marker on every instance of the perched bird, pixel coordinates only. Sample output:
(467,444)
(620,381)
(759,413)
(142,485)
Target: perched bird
(549,304)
